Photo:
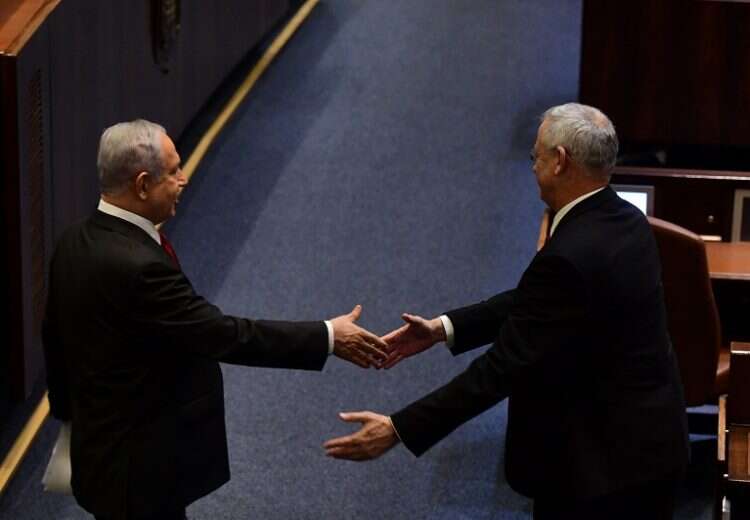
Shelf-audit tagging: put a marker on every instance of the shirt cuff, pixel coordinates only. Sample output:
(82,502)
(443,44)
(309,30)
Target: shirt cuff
(329,326)
(394,429)
(448,326)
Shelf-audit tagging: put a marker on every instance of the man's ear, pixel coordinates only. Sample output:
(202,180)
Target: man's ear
(562,159)
(142,185)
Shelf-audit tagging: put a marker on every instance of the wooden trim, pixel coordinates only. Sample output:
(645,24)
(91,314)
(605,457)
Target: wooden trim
(685,174)
(739,347)
(21,446)
(721,437)
(739,455)
(26,25)
(728,260)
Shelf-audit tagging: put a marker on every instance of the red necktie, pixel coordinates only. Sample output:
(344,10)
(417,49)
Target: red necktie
(166,245)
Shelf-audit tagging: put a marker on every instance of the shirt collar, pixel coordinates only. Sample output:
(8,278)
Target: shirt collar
(135,219)
(565,209)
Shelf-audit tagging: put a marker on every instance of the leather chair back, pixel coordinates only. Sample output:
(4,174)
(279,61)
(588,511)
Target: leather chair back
(692,317)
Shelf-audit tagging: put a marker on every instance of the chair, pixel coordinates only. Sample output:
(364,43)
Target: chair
(692,317)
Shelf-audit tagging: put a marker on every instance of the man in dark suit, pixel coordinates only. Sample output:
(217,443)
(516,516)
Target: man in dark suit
(596,417)
(132,351)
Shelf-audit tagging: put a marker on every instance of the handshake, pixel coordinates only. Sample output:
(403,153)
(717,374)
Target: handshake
(363,348)
(353,343)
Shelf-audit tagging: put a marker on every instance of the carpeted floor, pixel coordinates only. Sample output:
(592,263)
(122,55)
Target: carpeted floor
(382,160)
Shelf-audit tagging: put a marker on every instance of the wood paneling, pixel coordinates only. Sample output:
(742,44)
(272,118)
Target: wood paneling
(104,70)
(669,72)
(26,188)
(70,69)
(19,19)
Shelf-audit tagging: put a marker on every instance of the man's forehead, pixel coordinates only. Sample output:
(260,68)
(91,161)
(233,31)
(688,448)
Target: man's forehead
(168,145)
(539,132)
(166,141)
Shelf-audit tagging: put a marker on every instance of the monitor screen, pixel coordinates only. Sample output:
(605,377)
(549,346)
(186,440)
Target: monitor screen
(642,197)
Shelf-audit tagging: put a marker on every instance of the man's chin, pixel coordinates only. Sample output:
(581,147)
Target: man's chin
(164,218)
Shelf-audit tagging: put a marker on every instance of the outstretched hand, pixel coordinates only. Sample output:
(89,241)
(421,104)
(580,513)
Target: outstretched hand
(372,440)
(416,336)
(355,344)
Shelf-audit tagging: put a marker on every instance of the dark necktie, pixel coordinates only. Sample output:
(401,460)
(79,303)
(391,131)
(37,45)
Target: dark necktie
(166,245)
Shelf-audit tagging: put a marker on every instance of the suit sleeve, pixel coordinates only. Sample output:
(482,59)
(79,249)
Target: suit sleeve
(477,325)
(548,313)
(169,312)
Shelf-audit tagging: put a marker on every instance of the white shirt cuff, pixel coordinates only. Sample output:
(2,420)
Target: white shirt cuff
(448,326)
(394,429)
(329,326)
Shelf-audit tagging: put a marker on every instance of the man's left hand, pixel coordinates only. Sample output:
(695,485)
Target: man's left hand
(376,436)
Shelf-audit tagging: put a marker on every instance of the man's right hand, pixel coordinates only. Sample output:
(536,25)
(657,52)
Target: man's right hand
(355,344)
(416,336)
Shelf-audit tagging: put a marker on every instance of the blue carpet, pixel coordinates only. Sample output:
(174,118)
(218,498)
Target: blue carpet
(382,160)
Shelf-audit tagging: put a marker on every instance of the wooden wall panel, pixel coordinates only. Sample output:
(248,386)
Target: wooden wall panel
(11,263)
(669,71)
(26,181)
(104,70)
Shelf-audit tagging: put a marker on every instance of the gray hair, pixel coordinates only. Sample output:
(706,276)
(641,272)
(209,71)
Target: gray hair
(126,149)
(585,132)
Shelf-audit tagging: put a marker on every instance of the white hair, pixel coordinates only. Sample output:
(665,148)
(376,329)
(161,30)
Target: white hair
(126,149)
(585,132)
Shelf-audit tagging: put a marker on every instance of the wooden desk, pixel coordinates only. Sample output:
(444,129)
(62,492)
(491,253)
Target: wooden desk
(729,265)
(729,260)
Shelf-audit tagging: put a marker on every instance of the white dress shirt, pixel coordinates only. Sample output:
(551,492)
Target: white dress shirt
(565,209)
(135,219)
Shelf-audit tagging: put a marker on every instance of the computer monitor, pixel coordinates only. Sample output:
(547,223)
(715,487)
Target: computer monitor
(642,197)
(741,220)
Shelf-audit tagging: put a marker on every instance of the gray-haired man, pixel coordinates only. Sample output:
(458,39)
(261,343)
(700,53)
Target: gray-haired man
(596,417)
(132,351)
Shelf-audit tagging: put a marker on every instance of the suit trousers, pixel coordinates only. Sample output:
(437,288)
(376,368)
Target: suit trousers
(652,501)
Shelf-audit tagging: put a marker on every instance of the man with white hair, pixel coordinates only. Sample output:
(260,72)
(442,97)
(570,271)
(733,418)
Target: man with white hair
(132,351)
(596,417)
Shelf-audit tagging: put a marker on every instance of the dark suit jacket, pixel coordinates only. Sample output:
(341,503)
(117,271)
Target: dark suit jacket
(582,349)
(132,359)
